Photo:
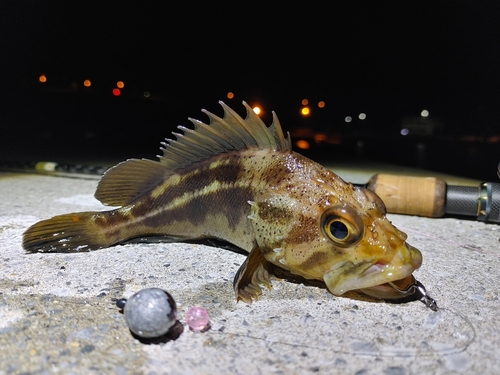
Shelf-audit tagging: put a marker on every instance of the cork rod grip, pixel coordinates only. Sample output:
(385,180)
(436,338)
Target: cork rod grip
(421,196)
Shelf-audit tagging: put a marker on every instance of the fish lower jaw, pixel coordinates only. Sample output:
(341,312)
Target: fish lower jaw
(348,276)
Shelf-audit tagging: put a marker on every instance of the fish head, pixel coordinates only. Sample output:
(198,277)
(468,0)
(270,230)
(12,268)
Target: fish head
(341,237)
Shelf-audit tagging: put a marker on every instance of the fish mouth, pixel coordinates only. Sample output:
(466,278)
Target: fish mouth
(372,277)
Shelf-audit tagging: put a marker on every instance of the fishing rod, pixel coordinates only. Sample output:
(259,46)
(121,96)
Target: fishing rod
(407,195)
(433,197)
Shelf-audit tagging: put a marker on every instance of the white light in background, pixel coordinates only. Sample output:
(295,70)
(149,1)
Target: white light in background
(348,119)
(424,113)
(362,116)
(405,131)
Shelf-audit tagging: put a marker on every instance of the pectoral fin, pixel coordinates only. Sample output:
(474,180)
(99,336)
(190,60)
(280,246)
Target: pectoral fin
(251,274)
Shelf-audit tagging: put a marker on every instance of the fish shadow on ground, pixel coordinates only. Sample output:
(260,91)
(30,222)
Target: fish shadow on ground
(275,271)
(355,295)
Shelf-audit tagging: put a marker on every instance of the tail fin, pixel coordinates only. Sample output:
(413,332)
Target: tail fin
(65,233)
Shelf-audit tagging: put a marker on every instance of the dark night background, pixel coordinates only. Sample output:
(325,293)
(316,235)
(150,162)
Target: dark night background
(388,59)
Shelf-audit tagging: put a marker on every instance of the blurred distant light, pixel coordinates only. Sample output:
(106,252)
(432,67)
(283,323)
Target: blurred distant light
(320,137)
(74,85)
(405,131)
(348,119)
(257,109)
(493,139)
(362,116)
(116,92)
(303,144)
(305,111)
(424,113)
(147,94)
(87,83)
(321,104)
(42,78)
(120,84)
(230,95)
(305,102)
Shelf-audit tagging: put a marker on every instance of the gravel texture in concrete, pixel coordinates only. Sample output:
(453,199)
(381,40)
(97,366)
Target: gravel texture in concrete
(58,313)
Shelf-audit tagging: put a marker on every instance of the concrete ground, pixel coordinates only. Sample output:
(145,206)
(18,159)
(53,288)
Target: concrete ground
(58,315)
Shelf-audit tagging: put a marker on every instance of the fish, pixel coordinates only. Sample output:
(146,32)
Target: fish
(237,180)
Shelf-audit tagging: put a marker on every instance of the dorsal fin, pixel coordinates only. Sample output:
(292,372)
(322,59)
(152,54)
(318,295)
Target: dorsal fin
(231,132)
(127,181)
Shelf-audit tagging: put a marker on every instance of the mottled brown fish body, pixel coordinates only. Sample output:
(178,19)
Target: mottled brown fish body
(209,199)
(238,180)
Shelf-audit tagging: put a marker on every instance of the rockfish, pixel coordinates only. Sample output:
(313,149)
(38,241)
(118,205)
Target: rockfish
(239,181)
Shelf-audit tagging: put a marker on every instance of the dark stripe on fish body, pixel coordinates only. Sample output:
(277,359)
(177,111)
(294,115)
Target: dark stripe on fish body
(216,186)
(225,168)
(315,258)
(230,202)
(307,230)
(273,214)
(110,218)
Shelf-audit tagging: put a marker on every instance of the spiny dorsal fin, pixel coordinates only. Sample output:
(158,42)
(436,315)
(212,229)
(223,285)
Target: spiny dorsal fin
(221,135)
(127,181)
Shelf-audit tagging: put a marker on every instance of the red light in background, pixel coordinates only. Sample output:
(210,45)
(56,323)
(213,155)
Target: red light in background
(116,92)
(303,144)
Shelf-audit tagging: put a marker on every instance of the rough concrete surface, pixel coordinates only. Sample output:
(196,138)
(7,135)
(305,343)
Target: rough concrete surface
(58,313)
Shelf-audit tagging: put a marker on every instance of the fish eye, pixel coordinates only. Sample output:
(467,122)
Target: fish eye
(338,229)
(342,225)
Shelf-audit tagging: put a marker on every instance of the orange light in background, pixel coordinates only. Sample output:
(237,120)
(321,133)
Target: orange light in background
(120,84)
(303,144)
(305,102)
(257,109)
(321,104)
(116,92)
(305,111)
(87,83)
(320,137)
(42,78)
(230,95)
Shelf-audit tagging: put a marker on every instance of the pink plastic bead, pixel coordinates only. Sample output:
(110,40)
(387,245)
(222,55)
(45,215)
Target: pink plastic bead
(197,319)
